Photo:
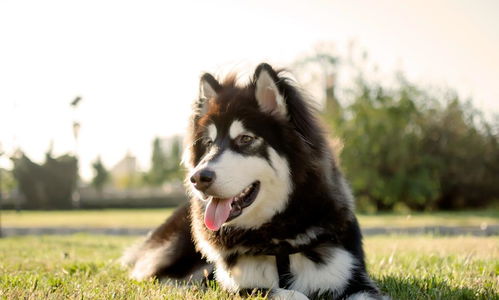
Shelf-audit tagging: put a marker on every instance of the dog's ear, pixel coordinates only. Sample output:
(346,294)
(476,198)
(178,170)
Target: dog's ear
(209,87)
(267,94)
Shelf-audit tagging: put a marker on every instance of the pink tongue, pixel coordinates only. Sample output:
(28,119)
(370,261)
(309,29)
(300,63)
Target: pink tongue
(217,212)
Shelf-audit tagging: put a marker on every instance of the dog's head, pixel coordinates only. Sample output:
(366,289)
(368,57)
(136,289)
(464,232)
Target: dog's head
(244,143)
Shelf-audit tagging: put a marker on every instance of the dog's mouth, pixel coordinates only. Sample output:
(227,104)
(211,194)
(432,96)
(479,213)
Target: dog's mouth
(220,210)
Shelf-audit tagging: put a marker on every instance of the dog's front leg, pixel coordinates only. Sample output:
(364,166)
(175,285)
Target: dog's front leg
(283,294)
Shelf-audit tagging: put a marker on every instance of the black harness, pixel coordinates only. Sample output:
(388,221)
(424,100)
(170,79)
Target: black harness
(283,269)
(282,258)
(282,252)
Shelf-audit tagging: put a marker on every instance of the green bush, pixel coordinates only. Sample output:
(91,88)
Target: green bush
(47,186)
(422,150)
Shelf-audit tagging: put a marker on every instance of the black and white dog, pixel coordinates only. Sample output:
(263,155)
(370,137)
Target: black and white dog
(270,208)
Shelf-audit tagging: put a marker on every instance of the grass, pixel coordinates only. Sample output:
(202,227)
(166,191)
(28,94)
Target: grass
(139,218)
(428,267)
(441,218)
(148,218)
(85,266)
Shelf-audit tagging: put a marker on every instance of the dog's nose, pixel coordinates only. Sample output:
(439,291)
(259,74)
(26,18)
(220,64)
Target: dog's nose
(202,179)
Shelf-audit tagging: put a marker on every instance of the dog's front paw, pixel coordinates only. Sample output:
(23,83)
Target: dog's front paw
(282,294)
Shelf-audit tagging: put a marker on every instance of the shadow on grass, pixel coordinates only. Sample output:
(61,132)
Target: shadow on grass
(431,288)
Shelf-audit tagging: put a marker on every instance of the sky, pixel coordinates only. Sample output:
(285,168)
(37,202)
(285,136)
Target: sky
(136,64)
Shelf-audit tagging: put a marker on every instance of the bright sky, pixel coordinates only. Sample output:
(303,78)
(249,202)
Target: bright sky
(136,64)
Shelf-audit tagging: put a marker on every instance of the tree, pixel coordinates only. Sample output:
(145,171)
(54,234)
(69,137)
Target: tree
(157,175)
(47,186)
(382,155)
(466,154)
(7,181)
(174,171)
(165,161)
(406,146)
(101,175)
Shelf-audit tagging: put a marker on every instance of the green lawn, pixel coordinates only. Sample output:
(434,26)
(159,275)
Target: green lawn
(147,218)
(85,266)
(140,218)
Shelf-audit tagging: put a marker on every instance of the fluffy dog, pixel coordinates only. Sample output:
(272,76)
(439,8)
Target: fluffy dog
(270,208)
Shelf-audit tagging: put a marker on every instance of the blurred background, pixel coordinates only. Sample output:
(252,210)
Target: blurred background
(95,96)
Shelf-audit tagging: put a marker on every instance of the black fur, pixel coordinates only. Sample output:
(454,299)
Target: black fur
(185,259)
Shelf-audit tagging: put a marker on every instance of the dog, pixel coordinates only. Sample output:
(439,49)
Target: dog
(270,208)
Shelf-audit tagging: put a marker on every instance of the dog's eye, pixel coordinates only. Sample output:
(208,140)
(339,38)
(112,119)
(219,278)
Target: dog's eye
(207,143)
(244,140)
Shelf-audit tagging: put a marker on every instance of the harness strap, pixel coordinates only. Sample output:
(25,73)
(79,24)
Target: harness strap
(283,269)
(282,252)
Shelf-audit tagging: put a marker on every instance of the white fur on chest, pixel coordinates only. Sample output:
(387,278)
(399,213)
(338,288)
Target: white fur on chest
(333,275)
(261,271)
(307,276)
(249,272)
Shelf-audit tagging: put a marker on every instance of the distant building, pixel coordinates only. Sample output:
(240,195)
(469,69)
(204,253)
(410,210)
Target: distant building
(126,166)
(124,173)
